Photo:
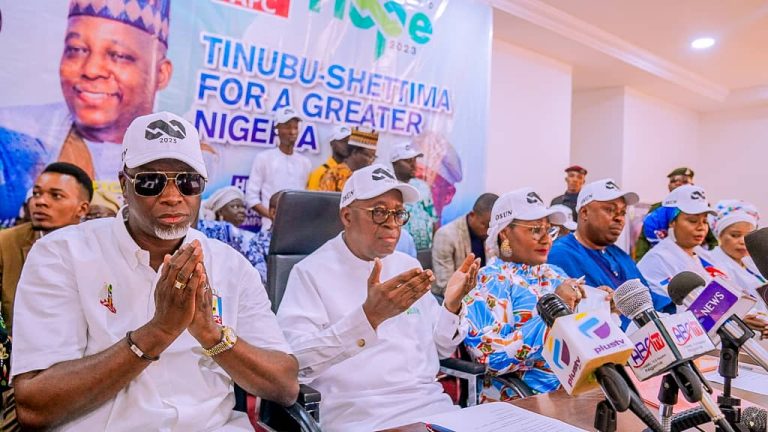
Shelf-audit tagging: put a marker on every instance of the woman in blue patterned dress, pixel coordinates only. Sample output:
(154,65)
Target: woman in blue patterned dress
(505,332)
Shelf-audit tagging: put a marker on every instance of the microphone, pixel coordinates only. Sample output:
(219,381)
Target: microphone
(667,344)
(755,419)
(719,308)
(584,350)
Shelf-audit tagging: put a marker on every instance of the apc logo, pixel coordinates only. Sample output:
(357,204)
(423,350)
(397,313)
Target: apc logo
(644,348)
(561,355)
(594,328)
(158,128)
(390,18)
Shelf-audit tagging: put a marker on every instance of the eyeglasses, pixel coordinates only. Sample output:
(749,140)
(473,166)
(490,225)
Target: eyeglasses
(150,184)
(381,214)
(538,231)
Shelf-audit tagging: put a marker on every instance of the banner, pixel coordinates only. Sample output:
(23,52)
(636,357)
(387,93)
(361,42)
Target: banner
(75,73)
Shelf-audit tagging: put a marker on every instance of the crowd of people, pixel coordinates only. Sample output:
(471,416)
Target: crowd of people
(144,314)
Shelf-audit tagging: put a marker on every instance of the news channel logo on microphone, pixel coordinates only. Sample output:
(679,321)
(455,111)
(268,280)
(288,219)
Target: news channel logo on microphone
(577,344)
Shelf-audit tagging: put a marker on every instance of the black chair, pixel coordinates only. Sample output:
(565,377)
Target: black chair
(425,258)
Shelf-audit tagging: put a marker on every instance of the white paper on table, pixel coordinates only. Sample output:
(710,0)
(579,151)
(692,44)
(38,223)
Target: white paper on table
(595,301)
(497,417)
(751,380)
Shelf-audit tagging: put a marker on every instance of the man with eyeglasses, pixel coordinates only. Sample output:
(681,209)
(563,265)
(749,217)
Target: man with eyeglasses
(591,252)
(360,318)
(140,314)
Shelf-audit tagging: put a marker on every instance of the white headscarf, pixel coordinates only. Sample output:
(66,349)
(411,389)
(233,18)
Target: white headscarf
(730,212)
(219,199)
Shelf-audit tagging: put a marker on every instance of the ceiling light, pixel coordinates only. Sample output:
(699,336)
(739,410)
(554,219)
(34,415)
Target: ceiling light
(702,43)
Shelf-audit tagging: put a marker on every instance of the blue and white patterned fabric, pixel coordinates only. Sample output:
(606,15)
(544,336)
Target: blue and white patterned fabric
(250,245)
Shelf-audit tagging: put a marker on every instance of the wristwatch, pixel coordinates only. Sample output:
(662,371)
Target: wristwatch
(228,339)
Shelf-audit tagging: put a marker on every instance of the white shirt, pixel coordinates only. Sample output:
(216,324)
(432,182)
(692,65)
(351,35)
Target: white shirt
(64,310)
(740,276)
(667,259)
(369,379)
(273,171)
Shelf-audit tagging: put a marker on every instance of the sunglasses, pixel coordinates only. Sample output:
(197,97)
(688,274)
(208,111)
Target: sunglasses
(150,184)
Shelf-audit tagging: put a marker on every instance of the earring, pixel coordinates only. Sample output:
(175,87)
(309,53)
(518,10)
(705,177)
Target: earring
(505,249)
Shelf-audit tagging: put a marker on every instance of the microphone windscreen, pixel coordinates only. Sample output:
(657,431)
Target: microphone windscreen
(757,246)
(682,284)
(755,419)
(551,307)
(632,297)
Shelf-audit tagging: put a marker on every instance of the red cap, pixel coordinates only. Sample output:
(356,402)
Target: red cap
(576,168)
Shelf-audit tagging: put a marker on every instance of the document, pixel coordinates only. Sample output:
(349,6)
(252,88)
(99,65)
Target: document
(496,417)
(751,379)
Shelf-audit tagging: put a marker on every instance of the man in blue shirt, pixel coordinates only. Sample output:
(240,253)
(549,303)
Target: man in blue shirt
(590,251)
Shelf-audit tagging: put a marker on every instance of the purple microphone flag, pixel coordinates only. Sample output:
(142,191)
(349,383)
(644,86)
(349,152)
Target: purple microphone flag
(712,304)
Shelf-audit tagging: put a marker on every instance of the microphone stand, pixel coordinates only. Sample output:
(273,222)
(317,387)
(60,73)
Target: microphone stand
(729,369)
(667,401)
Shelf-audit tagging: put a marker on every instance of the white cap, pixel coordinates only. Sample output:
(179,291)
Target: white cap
(372,181)
(405,150)
(688,199)
(340,132)
(604,190)
(285,114)
(569,223)
(162,135)
(522,204)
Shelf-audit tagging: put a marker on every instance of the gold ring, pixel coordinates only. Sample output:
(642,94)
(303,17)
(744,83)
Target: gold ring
(179,285)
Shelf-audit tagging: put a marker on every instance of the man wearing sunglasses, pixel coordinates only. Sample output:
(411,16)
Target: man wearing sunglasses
(591,251)
(359,315)
(142,316)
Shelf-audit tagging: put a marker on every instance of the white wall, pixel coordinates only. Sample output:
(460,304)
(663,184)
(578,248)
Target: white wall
(658,137)
(597,133)
(733,150)
(529,123)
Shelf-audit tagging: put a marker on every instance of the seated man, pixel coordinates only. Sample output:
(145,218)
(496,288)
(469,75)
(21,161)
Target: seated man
(139,322)
(59,198)
(590,251)
(366,330)
(465,235)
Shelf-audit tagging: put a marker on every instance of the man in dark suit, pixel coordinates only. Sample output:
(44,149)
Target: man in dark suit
(575,176)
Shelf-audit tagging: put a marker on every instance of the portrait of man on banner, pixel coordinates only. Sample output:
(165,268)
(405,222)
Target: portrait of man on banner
(113,62)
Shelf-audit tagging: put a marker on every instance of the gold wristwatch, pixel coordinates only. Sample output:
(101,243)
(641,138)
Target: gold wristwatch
(228,339)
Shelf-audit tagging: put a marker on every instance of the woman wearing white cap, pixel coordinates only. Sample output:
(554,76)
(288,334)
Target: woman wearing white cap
(680,250)
(226,204)
(734,220)
(505,333)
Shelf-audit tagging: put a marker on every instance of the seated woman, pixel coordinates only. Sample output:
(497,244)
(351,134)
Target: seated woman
(734,220)
(505,332)
(680,250)
(226,204)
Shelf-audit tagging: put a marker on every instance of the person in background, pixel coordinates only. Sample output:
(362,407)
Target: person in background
(657,219)
(60,198)
(359,315)
(575,177)
(734,220)
(23,211)
(424,220)
(141,314)
(279,168)
(226,204)
(102,205)
(361,152)
(681,249)
(505,332)
(339,150)
(569,225)
(457,239)
(263,238)
(113,63)
(591,251)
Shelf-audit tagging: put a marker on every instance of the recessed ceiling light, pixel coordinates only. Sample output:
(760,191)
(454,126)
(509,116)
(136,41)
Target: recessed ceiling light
(703,43)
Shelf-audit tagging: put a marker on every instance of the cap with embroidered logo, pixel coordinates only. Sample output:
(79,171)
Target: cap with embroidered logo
(340,132)
(372,181)
(286,114)
(162,135)
(604,190)
(405,150)
(689,199)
